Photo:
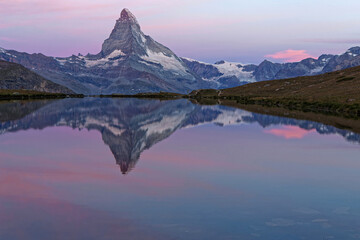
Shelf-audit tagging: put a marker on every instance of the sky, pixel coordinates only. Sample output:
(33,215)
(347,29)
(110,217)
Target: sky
(207,30)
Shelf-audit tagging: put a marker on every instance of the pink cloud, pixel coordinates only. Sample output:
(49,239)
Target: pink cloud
(290,55)
(290,132)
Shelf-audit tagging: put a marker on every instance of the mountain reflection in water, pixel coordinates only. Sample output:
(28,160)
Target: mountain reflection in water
(130,126)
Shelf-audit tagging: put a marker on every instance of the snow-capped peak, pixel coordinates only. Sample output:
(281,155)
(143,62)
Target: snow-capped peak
(354,51)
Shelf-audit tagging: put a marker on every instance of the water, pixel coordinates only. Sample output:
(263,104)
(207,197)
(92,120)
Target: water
(148,169)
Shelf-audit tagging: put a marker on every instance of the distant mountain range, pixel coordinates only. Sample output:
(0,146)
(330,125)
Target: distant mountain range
(16,77)
(131,62)
(227,74)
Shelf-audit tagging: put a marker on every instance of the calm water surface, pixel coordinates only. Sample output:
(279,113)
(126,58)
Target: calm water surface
(148,169)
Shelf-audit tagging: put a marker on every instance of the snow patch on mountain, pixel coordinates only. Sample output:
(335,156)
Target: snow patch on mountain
(352,54)
(167,62)
(85,61)
(4,51)
(104,61)
(234,69)
(115,54)
(316,70)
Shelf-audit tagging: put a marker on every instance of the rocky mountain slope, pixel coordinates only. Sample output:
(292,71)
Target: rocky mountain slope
(16,77)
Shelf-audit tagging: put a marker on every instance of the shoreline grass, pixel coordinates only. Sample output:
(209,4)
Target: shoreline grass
(6,94)
(329,108)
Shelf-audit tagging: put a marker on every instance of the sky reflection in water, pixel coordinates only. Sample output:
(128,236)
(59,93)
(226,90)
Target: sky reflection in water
(189,174)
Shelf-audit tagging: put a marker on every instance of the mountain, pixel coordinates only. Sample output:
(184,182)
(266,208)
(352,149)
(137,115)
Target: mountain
(129,62)
(16,77)
(229,74)
(350,58)
(130,126)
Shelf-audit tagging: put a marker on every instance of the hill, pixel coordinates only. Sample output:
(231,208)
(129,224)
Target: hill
(16,77)
(335,92)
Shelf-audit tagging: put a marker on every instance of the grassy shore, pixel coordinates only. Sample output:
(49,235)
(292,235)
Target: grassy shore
(335,93)
(6,94)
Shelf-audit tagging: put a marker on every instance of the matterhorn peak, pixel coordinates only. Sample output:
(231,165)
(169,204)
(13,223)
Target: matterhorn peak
(126,36)
(126,15)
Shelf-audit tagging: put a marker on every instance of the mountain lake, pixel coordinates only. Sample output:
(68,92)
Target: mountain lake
(106,168)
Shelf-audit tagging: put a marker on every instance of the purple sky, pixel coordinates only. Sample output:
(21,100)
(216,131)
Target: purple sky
(208,30)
